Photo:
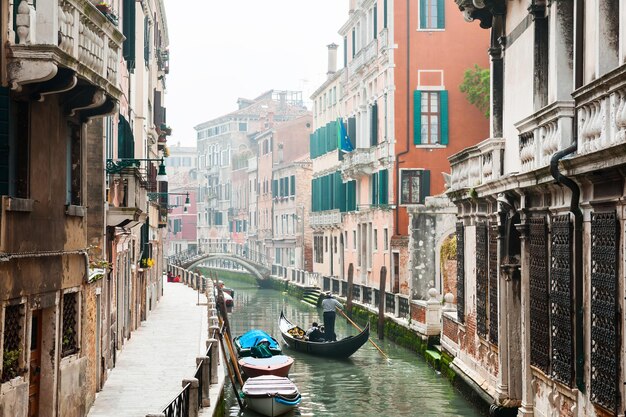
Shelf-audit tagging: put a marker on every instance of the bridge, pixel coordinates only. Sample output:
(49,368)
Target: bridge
(252,261)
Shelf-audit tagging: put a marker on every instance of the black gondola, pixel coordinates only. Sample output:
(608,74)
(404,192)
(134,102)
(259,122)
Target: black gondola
(343,348)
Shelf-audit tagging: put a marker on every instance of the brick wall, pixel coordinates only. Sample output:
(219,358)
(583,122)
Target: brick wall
(418,313)
(450,329)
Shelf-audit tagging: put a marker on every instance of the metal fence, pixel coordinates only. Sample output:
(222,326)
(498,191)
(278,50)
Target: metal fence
(179,407)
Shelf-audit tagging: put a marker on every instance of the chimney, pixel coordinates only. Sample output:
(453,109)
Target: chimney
(332,59)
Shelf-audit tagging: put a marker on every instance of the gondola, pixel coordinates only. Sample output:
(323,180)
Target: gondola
(343,348)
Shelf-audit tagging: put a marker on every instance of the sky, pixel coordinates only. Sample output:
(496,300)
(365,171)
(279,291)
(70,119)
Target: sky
(226,49)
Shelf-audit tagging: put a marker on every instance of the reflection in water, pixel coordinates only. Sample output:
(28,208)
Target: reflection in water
(366,385)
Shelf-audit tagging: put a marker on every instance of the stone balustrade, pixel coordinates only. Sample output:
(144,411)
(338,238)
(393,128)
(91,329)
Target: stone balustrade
(476,165)
(364,57)
(325,219)
(383,41)
(601,112)
(544,133)
(365,161)
(72,34)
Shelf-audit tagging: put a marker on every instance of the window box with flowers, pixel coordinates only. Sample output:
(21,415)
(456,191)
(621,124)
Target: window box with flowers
(147,263)
(106,9)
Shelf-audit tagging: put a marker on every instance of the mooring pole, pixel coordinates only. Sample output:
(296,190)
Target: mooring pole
(350,288)
(381,303)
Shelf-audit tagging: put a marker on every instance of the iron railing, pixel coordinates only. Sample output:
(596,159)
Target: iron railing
(179,407)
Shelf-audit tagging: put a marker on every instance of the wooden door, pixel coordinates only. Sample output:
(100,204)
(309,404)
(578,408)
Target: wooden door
(396,273)
(35,364)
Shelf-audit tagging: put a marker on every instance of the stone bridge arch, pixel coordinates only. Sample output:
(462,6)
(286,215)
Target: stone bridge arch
(261,272)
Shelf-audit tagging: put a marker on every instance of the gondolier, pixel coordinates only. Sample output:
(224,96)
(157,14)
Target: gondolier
(328,306)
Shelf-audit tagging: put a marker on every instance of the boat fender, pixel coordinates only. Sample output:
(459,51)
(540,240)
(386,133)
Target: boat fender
(285,401)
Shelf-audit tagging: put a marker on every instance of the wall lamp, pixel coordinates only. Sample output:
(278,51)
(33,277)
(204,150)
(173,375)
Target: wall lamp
(115,166)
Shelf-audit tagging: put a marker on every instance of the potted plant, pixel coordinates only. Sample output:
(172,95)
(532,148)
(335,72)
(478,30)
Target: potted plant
(105,8)
(10,365)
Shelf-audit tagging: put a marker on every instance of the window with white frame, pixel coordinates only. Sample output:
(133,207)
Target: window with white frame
(430,117)
(432,14)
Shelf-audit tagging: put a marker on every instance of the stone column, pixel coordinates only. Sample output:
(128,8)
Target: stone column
(206,369)
(497,76)
(193,396)
(527,407)
(215,358)
(433,313)
(502,386)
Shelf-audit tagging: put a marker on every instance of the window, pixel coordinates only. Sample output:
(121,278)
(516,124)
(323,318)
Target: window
(69,341)
(243,126)
(354,239)
(415,186)
(374,188)
(73,166)
(385,239)
(335,243)
(292,190)
(12,347)
(432,14)
(375,239)
(325,243)
(318,242)
(430,117)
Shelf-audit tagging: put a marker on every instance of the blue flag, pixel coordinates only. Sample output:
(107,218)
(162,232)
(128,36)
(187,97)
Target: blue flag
(345,145)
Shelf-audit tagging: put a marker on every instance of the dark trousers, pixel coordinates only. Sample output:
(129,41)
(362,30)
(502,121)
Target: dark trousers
(329,326)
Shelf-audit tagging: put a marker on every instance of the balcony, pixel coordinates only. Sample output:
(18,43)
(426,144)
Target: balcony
(476,165)
(61,44)
(325,219)
(544,133)
(364,57)
(601,112)
(127,199)
(383,41)
(366,161)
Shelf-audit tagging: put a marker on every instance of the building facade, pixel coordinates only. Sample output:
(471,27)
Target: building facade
(540,288)
(398,101)
(225,146)
(66,72)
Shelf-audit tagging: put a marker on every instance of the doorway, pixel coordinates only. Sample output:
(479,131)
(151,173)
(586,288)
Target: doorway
(35,364)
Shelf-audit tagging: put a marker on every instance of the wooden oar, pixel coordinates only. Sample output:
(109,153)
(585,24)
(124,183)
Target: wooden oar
(359,329)
(230,373)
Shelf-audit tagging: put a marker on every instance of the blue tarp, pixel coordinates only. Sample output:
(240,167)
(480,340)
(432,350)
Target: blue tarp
(253,337)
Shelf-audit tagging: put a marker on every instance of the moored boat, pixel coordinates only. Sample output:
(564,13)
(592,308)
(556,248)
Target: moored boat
(271,395)
(344,348)
(277,365)
(253,338)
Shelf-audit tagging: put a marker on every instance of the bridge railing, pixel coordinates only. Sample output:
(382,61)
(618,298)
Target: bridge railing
(306,278)
(237,249)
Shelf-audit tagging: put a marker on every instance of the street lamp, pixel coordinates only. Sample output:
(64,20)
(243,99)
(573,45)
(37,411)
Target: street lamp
(153,196)
(114,166)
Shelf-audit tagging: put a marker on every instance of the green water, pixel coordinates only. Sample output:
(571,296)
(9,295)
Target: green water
(364,385)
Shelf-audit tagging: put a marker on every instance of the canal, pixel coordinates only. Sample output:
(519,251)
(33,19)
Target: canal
(364,385)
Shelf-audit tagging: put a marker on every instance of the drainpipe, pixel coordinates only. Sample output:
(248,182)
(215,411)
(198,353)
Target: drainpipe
(408,119)
(578,256)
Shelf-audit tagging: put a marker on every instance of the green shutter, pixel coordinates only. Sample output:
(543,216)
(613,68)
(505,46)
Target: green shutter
(314,194)
(424,185)
(423,20)
(274,188)
(343,197)
(417,117)
(125,139)
(128,28)
(374,189)
(441,17)
(383,181)
(443,110)
(351,195)
(5,114)
(337,195)
(293,185)
(374,125)
(311,149)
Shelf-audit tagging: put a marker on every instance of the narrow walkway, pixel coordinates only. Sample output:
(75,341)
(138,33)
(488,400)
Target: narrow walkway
(158,356)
